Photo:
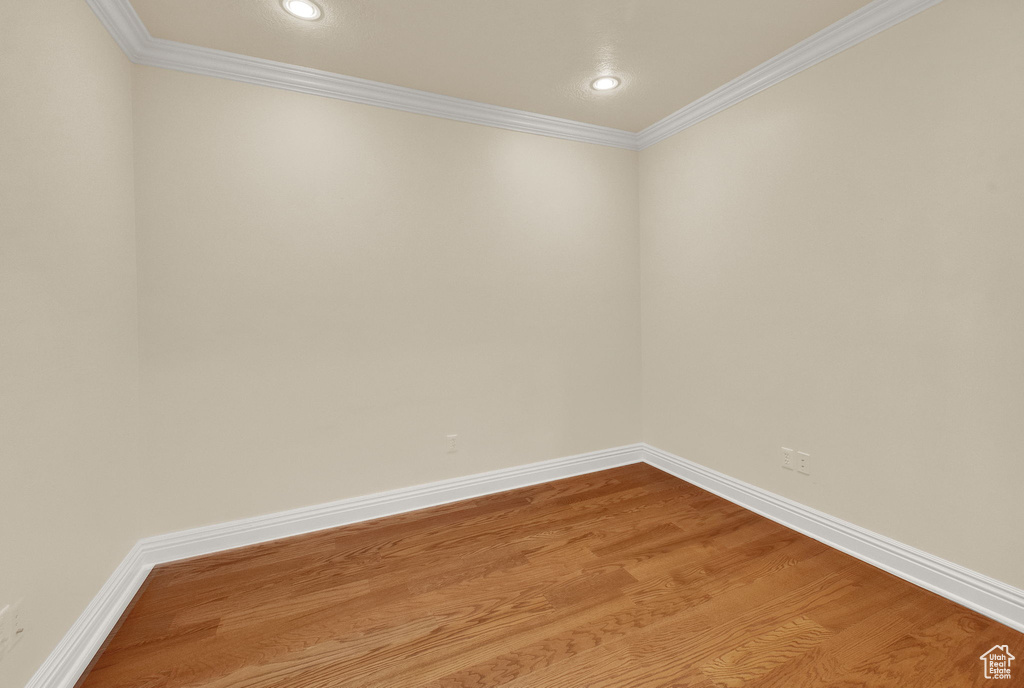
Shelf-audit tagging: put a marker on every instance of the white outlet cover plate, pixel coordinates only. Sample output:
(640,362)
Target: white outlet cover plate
(803,462)
(787,459)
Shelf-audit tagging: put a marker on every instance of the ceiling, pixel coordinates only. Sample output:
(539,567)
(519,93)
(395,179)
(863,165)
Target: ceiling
(534,55)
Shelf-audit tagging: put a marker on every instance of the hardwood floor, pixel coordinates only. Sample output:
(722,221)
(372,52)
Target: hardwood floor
(626,578)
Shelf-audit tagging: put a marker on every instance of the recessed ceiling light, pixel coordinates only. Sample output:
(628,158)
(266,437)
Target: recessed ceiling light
(303,9)
(605,83)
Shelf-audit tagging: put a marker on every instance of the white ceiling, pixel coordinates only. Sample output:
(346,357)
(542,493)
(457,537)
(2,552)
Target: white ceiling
(534,55)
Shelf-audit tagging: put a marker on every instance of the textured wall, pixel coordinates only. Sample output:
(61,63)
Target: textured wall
(68,327)
(835,265)
(328,289)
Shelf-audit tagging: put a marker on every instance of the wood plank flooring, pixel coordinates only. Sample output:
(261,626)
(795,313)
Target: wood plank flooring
(628,578)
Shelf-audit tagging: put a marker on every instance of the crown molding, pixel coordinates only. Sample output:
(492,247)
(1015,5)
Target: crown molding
(120,19)
(869,20)
(253,70)
(123,24)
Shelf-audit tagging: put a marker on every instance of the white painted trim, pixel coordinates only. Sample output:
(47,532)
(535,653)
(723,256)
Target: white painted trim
(985,595)
(249,531)
(72,656)
(75,652)
(869,20)
(123,24)
(120,19)
(254,70)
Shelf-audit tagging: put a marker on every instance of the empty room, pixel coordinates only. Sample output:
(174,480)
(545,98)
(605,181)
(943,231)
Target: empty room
(511,343)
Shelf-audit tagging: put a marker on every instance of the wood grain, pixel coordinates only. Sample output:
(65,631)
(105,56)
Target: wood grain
(628,578)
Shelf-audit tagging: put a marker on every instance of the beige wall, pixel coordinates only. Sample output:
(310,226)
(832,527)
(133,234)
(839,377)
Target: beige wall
(328,289)
(835,265)
(68,325)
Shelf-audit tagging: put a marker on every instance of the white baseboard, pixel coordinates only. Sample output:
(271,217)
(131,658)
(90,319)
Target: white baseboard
(75,652)
(72,656)
(985,595)
(250,531)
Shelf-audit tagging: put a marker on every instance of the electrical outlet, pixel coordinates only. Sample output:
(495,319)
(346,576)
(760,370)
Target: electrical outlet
(803,463)
(452,443)
(787,459)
